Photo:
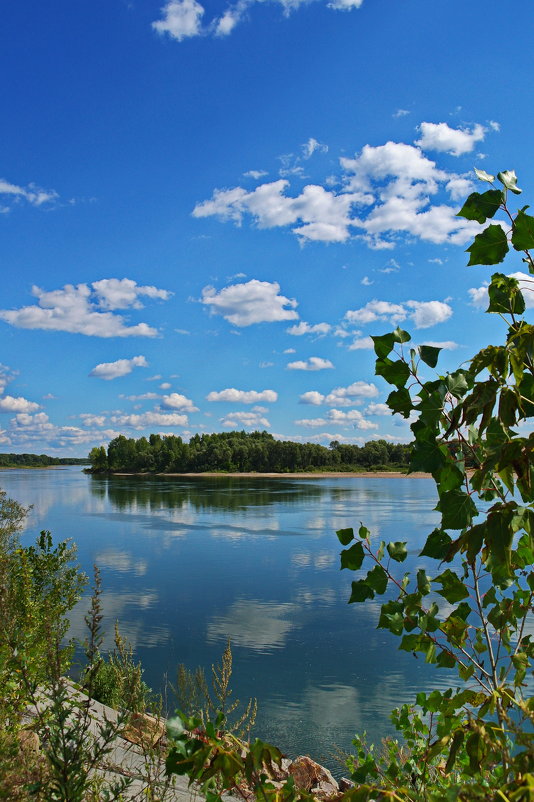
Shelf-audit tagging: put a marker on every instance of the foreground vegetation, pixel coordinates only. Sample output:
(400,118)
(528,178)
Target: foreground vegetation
(470,615)
(242,452)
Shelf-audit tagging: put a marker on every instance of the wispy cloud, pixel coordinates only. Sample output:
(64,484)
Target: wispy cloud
(12,194)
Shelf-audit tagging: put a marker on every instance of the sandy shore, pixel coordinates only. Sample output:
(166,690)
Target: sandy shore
(315,475)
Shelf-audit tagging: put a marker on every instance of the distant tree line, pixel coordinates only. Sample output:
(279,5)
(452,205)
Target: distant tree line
(242,451)
(37,461)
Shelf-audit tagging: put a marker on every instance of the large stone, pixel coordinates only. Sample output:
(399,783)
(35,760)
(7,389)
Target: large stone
(308,774)
(143,730)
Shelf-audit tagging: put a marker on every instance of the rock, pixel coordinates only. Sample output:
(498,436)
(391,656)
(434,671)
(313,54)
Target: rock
(325,790)
(345,784)
(309,774)
(280,773)
(143,730)
(29,743)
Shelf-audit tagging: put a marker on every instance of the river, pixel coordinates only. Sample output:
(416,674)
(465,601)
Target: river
(188,562)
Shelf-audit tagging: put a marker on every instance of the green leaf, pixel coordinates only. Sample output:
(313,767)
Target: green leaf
(345,536)
(360,592)
(437,545)
(508,179)
(505,295)
(352,558)
(523,231)
(429,354)
(482,175)
(383,345)
(450,477)
(397,550)
(489,248)
(401,336)
(457,509)
(377,579)
(400,401)
(423,582)
(452,588)
(481,206)
(396,373)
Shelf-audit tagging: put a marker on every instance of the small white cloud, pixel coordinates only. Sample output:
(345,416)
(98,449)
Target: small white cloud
(255,174)
(142,397)
(494,125)
(306,328)
(361,344)
(92,420)
(182,19)
(456,141)
(353,418)
(341,396)
(11,194)
(249,420)
(124,293)
(312,397)
(313,363)
(377,409)
(445,345)
(121,367)
(401,113)
(252,302)
(312,146)
(178,401)
(146,419)
(9,403)
(290,351)
(428,313)
(366,281)
(165,386)
(377,310)
(243,396)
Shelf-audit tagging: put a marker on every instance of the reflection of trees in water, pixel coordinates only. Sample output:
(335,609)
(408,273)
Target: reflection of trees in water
(223,493)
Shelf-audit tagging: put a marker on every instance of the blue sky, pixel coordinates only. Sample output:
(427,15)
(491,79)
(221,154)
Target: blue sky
(206,209)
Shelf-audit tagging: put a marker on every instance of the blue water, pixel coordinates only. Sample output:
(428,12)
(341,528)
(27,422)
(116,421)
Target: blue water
(188,563)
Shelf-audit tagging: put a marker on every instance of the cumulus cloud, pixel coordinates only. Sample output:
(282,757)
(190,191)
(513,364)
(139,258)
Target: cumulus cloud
(306,328)
(446,345)
(84,309)
(243,396)
(255,174)
(480,298)
(181,19)
(252,302)
(89,419)
(361,344)
(377,409)
(423,313)
(6,375)
(312,363)
(146,419)
(353,418)
(456,141)
(341,396)
(249,420)
(27,429)
(121,367)
(9,403)
(385,190)
(178,401)
(11,194)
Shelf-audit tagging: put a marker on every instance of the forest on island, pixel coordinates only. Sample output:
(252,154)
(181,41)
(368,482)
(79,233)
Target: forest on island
(243,451)
(37,461)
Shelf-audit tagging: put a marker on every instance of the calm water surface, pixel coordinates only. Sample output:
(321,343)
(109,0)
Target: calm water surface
(188,563)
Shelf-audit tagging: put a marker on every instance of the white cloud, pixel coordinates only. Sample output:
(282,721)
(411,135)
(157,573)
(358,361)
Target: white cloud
(446,345)
(142,397)
(401,113)
(9,403)
(366,281)
(252,302)
(361,344)
(145,419)
(377,409)
(289,351)
(112,370)
(11,194)
(456,141)
(312,363)
(165,386)
(181,19)
(311,146)
(424,314)
(353,418)
(28,429)
(6,375)
(92,420)
(246,419)
(178,401)
(459,188)
(428,313)
(479,295)
(255,174)
(377,310)
(115,293)
(243,396)
(306,328)
(341,396)
(77,309)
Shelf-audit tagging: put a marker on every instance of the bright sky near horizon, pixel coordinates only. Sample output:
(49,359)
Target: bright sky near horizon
(207,208)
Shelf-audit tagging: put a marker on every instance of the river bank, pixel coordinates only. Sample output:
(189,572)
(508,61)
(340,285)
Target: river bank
(297,475)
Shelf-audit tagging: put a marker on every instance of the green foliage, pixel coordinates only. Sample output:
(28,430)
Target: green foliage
(473,615)
(239,452)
